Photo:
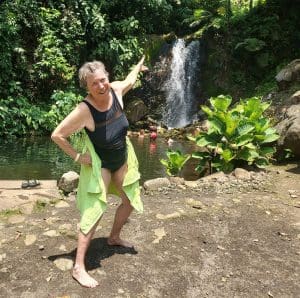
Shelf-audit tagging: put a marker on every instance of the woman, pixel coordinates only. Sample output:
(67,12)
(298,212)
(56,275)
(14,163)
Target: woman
(105,158)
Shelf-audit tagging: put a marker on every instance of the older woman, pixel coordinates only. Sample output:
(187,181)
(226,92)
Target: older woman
(106,157)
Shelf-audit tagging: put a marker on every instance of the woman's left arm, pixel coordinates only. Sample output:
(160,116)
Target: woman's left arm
(123,87)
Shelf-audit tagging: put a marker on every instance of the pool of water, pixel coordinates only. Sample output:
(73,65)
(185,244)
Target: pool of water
(40,158)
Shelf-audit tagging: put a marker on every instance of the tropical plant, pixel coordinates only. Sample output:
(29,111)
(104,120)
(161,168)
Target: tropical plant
(235,136)
(175,162)
(63,104)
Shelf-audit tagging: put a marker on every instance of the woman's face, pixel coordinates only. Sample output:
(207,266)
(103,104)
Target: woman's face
(97,83)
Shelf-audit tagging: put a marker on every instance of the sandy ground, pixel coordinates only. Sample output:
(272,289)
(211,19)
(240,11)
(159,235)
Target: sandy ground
(190,242)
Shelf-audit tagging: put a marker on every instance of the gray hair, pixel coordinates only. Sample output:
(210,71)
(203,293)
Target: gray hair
(88,68)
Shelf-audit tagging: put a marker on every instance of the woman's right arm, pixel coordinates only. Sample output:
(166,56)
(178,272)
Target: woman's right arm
(74,122)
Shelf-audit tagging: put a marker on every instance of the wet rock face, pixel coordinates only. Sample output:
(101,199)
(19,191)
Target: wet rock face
(289,130)
(288,74)
(136,110)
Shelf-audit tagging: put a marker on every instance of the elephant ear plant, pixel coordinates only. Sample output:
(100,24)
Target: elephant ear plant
(175,162)
(235,136)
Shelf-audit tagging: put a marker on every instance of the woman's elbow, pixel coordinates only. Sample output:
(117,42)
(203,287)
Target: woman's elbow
(55,137)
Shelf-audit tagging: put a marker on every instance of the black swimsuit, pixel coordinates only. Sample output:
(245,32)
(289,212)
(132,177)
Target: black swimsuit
(109,136)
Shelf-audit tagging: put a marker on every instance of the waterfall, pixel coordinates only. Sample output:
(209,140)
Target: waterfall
(179,88)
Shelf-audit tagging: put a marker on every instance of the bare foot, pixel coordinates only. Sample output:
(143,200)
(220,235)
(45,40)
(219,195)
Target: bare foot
(119,242)
(84,278)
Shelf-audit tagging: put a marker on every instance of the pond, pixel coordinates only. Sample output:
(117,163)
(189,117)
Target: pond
(40,158)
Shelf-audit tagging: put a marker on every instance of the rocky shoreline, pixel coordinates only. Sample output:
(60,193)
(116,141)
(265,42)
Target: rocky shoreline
(219,236)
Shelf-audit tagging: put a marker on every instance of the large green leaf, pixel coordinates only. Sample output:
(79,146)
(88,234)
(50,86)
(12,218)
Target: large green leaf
(220,103)
(216,124)
(207,139)
(261,162)
(228,155)
(244,129)
(267,151)
(247,154)
(207,110)
(261,124)
(270,138)
(243,140)
(231,124)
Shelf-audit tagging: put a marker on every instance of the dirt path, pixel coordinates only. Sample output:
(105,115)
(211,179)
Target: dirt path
(190,242)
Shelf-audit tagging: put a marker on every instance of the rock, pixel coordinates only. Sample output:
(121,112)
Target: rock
(64,264)
(168,216)
(191,184)
(294,99)
(2,257)
(288,74)
(154,184)
(159,233)
(177,180)
(241,174)
(14,219)
(289,130)
(136,110)
(29,239)
(194,203)
(51,233)
(219,176)
(27,208)
(62,204)
(62,248)
(68,182)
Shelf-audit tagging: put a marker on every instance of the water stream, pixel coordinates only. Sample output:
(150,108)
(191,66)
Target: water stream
(180,96)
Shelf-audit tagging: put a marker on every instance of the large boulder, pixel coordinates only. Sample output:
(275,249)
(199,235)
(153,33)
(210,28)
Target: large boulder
(289,130)
(288,74)
(136,110)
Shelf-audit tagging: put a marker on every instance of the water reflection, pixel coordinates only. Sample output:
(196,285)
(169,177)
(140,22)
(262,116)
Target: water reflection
(40,158)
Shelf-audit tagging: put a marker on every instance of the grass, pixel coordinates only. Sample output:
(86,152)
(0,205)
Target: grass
(10,212)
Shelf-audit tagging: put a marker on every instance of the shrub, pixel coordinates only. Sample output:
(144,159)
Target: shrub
(235,136)
(175,162)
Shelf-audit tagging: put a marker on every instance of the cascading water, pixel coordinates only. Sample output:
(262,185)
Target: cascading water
(179,88)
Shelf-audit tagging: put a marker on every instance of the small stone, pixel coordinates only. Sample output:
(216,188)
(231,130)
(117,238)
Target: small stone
(62,204)
(121,291)
(63,227)
(51,233)
(64,264)
(27,208)
(62,248)
(242,174)
(2,257)
(168,216)
(14,219)
(101,272)
(159,233)
(41,247)
(195,203)
(29,239)
(220,247)
(191,184)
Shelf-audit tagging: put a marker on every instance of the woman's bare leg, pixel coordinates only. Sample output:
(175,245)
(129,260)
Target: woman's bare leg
(123,211)
(79,271)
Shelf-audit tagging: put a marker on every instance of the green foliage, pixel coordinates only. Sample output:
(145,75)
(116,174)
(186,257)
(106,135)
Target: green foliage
(235,136)
(19,117)
(175,162)
(64,103)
